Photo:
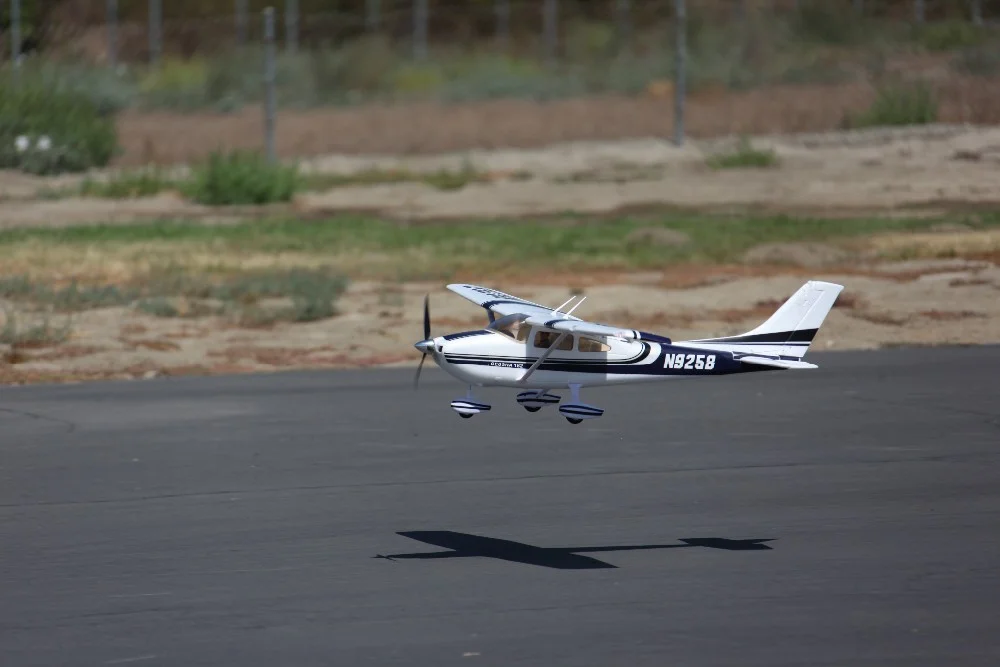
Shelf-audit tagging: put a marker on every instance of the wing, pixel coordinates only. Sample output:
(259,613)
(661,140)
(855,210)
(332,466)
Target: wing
(503,303)
(576,326)
(536,314)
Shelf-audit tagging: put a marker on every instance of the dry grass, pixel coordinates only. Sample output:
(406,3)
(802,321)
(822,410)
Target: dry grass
(951,315)
(930,245)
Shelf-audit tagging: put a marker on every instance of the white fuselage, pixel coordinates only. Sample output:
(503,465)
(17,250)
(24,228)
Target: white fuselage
(490,358)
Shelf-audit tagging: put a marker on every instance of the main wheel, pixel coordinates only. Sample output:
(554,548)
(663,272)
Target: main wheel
(464,416)
(532,409)
(573,421)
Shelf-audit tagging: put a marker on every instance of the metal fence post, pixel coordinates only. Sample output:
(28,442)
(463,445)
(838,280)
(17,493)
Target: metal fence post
(919,11)
(291,26)
(15,33)
(372,18)
(155,30)
(420,18)
(859,7)
(269,78)
(242,21)
(680,67)
(623,17)
(977,12)
(502,8)
(550,20)
(112,19)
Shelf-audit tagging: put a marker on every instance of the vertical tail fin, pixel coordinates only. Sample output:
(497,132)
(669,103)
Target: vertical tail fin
(790,331)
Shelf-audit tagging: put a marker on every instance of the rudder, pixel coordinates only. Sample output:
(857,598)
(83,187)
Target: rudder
(789,332)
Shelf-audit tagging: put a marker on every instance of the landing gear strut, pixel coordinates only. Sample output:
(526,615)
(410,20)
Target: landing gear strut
(575,411)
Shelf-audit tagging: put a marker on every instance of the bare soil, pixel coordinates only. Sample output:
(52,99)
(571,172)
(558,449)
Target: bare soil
(937,167)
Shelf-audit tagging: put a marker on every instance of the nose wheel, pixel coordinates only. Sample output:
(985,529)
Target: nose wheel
(469,406)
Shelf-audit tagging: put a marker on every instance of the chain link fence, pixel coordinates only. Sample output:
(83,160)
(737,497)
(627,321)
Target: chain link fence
(729,66)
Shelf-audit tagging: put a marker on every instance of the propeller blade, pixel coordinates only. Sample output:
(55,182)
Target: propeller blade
(427,317)
(416,378)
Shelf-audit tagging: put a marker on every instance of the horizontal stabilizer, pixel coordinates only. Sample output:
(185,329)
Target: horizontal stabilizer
(776,363)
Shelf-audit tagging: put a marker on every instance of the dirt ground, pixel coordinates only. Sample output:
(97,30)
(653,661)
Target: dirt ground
(829,174)
(924,302)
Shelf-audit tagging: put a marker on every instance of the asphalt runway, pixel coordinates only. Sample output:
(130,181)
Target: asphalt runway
(844,516)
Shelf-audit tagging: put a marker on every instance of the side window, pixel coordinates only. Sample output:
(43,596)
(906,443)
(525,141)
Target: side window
(522,333)
(544,339)
(593,345)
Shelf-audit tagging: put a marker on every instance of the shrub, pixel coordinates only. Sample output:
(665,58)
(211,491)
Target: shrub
(899,104)
(242,177)
(109,91)
(47,131)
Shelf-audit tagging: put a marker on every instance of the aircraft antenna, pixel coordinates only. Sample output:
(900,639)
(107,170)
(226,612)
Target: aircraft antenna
(563,304)
(576,306)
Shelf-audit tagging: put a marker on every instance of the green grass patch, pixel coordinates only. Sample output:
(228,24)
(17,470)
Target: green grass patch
(745,156)
(246,178)
(368,247)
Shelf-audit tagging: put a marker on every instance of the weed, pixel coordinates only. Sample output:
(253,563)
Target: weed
(157,307)
(74,297)
(39,334)
(71,298)
(979,61)
(443,179)
(745,156)
(176,84)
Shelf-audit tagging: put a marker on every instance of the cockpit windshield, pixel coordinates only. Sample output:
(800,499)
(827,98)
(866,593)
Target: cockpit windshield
(512,326)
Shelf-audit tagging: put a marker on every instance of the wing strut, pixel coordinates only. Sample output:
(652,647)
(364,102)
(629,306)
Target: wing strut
(543,357)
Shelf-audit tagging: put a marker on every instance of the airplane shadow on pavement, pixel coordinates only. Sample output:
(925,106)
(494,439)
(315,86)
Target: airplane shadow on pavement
(465,545)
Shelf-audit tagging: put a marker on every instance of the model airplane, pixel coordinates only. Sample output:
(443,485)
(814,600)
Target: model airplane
(538,349)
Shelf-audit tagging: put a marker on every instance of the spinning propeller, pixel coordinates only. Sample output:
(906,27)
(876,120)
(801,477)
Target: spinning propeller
(426,345)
